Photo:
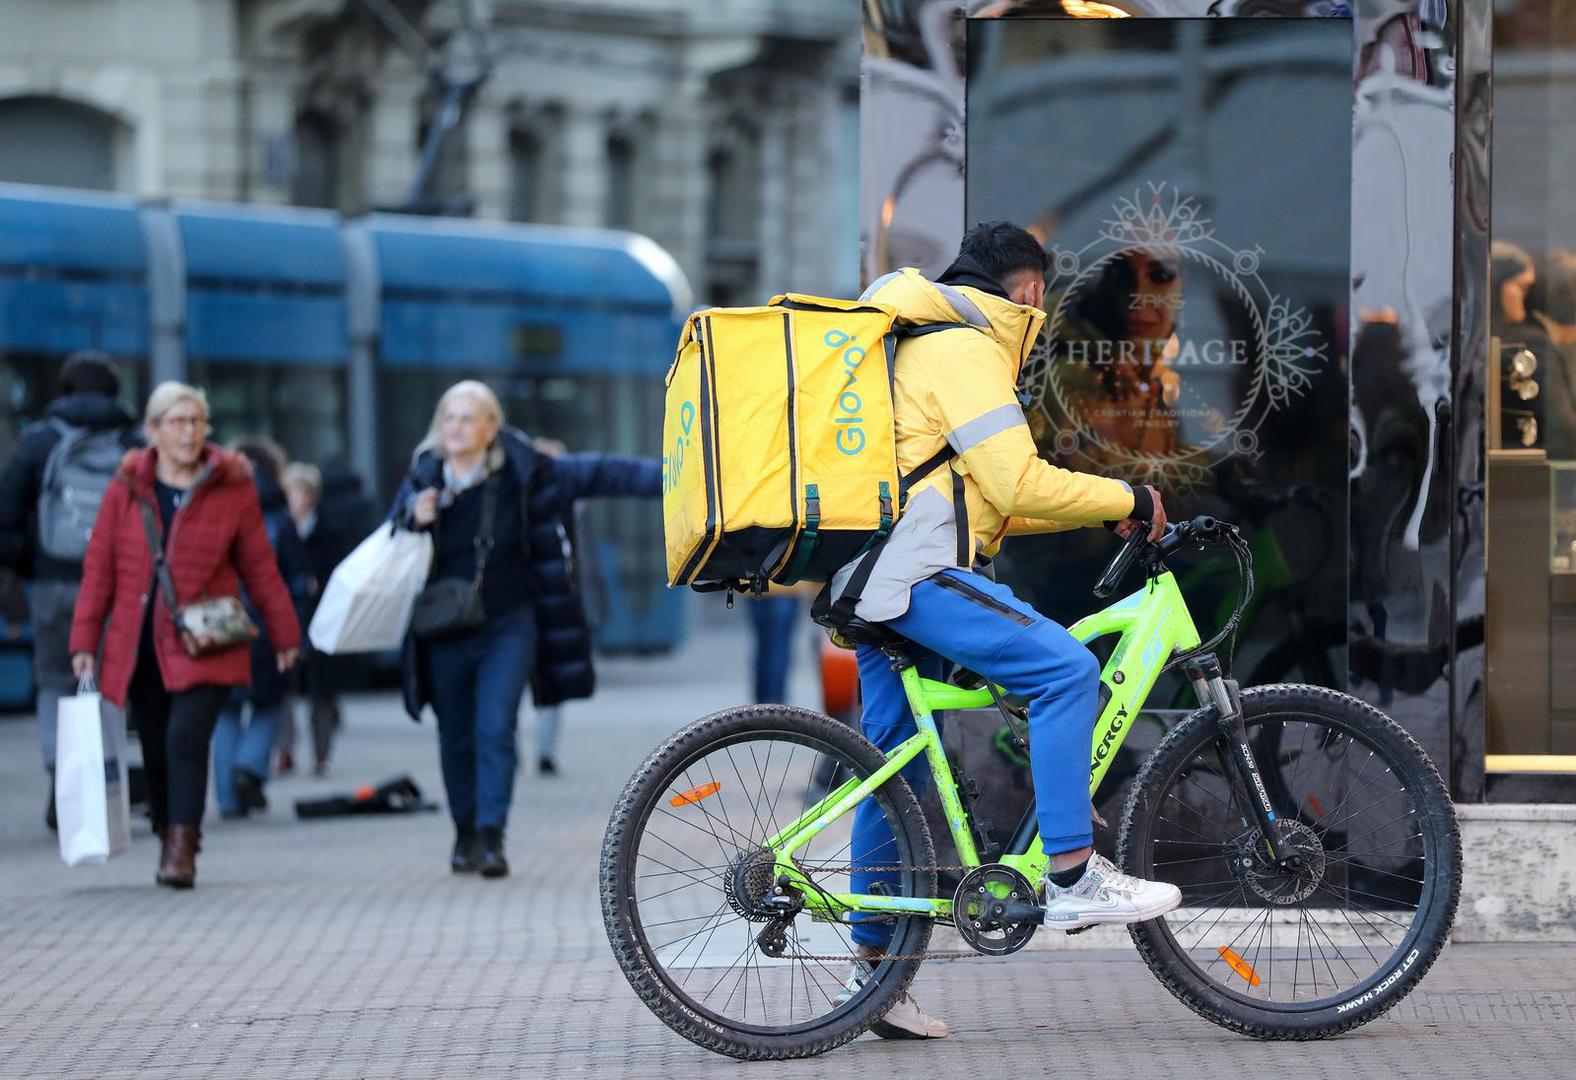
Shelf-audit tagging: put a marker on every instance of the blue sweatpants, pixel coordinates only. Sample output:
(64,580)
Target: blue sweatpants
(967,618)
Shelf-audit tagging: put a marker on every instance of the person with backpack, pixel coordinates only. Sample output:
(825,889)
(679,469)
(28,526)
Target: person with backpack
(49,495)
(887,453)
(955,395)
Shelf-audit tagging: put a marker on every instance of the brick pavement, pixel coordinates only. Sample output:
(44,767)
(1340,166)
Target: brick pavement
(345,949)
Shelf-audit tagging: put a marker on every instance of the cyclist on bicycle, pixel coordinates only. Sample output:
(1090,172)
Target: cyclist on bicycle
(957,388)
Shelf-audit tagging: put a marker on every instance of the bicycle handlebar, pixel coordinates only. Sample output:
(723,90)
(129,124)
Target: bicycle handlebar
(1201,532)
(1121,563)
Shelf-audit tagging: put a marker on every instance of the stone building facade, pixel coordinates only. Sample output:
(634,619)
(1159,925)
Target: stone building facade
(726,130)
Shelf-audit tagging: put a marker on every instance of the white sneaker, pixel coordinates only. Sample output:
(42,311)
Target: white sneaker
(904,1020)
(1106,895)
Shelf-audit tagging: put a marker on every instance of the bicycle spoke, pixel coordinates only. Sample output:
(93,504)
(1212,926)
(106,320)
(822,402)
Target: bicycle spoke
(740,792)
(1362,857)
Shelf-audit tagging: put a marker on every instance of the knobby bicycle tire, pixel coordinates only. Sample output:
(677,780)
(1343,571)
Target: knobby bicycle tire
(654,779)
(1439,891)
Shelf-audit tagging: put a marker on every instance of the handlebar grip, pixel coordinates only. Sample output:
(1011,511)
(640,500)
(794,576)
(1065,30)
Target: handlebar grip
(1121,564)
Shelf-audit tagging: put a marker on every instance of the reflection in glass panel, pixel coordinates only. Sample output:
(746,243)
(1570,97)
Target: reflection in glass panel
(1191,180)
(1531,394)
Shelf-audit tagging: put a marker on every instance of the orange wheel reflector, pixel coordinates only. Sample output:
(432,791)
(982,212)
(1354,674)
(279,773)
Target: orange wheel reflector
(696,794)
(1315,805)
(1239,965)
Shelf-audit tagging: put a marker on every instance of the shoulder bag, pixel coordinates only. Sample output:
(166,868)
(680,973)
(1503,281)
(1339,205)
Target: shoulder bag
(451,606)
(208,626)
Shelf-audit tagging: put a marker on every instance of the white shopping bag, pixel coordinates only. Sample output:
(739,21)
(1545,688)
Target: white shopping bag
(92,804)
(367,603)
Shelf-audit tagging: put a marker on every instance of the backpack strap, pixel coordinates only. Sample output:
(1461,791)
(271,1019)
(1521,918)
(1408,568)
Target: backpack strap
(69,434)
(932,328)
(833,614)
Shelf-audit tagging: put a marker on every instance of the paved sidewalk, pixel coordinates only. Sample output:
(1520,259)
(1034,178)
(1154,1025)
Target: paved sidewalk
(346,949)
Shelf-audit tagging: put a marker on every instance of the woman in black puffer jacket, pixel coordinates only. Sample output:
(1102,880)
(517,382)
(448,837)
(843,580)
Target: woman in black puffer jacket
(491,498)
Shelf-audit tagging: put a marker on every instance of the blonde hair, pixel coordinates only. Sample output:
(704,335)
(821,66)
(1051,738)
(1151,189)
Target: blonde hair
(486,401)
(303,475)
(167,395)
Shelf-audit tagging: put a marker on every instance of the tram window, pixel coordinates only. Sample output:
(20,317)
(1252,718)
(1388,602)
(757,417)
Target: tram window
(301,408)
(29,381)
(620,414)
(537,341)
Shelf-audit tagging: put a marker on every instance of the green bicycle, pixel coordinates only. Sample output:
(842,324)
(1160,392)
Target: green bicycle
(1315,846)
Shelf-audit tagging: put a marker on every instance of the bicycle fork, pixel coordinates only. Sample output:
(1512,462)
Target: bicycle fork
(1237,764)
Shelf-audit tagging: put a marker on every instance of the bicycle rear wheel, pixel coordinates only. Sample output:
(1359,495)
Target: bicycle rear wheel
(1321,948)
(686,879)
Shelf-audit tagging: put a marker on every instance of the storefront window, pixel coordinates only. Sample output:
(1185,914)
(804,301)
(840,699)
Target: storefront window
(1531,394)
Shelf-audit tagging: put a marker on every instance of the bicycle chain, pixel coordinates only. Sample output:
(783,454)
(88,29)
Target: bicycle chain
(946,954)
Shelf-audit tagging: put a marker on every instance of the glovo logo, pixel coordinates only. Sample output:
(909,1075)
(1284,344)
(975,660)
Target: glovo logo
(673,460)
(848,416)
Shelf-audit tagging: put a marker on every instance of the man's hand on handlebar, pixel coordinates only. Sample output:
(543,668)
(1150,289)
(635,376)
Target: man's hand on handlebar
(1156,524)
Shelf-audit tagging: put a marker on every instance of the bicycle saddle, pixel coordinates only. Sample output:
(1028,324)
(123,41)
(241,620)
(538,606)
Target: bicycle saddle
(860,632)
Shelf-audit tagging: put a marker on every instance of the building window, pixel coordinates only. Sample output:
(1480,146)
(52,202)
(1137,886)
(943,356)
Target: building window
(733,219)
(526,201)
(448,181)
(621,191)
(316,179)
(49,140)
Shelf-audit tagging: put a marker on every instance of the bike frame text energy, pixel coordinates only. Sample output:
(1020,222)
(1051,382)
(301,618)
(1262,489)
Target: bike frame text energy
(1154,623)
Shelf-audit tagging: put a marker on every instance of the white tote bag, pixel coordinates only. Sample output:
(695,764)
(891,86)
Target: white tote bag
(92,803)
(367,603)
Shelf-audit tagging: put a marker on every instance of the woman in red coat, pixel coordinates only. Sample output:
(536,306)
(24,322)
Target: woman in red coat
(202,504)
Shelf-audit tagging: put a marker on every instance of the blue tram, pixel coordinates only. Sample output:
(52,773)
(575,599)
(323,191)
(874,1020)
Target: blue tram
(335,337)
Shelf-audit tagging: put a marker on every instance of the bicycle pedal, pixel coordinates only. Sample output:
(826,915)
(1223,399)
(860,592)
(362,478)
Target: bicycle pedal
(1078,930)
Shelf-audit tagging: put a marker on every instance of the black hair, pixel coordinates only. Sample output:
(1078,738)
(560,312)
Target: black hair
(268,458)
(1002,250)
(1105,305)
(1553,292)
(89,371)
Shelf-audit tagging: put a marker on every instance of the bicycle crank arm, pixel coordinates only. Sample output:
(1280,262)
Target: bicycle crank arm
(1022,912)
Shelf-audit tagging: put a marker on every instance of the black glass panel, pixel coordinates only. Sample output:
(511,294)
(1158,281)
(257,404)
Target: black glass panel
(1191,180)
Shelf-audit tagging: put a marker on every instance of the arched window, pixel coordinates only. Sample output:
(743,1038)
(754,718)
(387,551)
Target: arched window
(50,140)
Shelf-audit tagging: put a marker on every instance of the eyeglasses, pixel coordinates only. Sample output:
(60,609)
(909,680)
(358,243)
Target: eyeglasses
(193,422)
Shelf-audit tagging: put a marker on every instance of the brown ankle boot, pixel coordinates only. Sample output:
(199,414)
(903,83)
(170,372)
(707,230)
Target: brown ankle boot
(178,857)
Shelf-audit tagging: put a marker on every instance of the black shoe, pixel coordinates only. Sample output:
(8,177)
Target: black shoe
(492,863)
(248,791)
(465,858)
(49,807)
(547,766)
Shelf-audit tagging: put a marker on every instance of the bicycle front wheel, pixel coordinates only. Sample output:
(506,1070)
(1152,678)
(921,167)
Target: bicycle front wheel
(1324,945)
(687,883)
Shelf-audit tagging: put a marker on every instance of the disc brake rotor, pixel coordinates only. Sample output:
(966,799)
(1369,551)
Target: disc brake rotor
(1281,884)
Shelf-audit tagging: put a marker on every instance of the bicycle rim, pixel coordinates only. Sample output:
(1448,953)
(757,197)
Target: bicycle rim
(1341,924)
(699,868)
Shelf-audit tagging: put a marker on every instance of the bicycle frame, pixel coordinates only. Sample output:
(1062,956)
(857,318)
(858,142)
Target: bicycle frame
(1154,622)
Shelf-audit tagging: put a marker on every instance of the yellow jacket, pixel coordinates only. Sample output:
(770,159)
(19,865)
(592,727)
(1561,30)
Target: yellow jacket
(958,388)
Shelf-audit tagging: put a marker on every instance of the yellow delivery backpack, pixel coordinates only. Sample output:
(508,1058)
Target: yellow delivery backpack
(779,456)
